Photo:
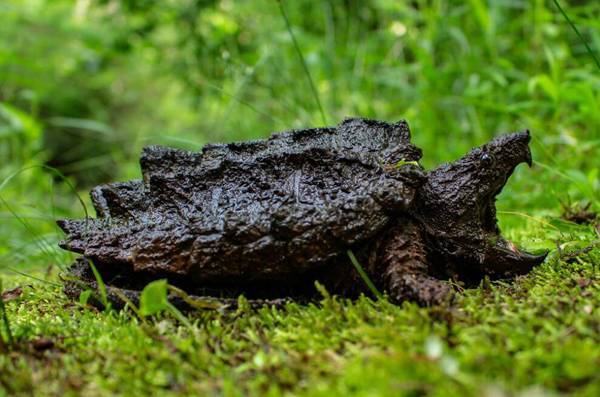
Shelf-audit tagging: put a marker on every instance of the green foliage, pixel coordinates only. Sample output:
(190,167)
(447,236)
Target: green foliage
(153,299)
(538,335)
(86,84)
(84,297)
(20,135)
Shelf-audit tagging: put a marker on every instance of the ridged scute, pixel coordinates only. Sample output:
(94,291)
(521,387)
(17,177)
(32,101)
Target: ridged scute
(262,209)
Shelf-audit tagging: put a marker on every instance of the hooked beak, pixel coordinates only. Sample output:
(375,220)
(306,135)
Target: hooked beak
(509,261)
(459,207)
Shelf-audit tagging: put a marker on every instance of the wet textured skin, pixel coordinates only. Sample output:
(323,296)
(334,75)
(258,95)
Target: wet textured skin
(268,218)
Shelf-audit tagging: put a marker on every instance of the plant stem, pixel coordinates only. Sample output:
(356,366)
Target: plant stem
(364,275)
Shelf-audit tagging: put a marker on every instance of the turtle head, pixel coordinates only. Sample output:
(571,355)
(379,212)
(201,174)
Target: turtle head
(457,208)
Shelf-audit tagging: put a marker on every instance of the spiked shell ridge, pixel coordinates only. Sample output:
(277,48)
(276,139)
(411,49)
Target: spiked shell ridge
(258,210)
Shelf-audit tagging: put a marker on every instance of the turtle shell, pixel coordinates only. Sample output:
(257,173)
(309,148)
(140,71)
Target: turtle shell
(258,210)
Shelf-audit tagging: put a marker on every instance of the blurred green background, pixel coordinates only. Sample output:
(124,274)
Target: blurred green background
(85,84)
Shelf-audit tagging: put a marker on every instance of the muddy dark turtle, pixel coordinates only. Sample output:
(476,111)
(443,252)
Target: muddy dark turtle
(268,218)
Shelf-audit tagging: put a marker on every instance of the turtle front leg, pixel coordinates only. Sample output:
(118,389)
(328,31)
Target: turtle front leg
(404,271)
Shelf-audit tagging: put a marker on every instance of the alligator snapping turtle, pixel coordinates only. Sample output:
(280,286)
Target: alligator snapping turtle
(267,218)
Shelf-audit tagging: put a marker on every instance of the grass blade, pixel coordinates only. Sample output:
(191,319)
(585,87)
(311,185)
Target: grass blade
(363,275)
(589,49)
(179,316)
(243,102)
(20,273)
(40,242)
(302,60)
(56,172)
(101,285)
(531,218)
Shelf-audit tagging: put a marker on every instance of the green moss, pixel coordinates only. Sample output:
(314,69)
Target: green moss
(540,333)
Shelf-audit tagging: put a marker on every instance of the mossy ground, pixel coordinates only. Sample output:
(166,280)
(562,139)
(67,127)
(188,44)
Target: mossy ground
(539,335)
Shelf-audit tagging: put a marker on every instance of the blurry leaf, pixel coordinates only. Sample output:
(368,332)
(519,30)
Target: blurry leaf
(544,82)
(498,77)
(482,14)
(459,36)
(154,298)
(221,22)
(593,178)
(18,122)
(582,181)
(84,297)
(83,124)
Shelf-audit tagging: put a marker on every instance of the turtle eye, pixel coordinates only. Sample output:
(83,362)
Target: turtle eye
(487,160)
